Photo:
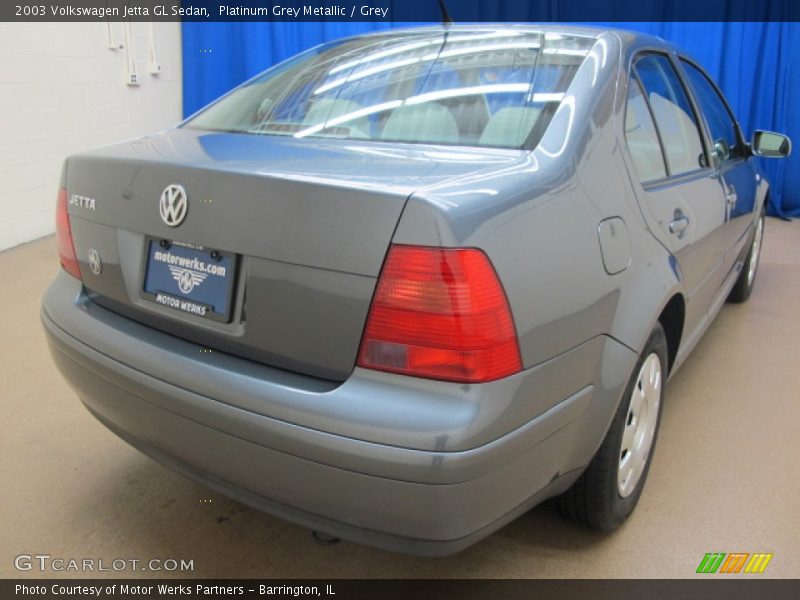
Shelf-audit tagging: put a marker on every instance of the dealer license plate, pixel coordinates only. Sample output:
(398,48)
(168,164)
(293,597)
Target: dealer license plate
(191,279)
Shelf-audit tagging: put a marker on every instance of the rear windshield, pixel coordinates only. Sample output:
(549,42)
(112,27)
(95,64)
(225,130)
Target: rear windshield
(474,88)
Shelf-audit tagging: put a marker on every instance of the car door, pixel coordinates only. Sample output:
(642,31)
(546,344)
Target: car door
(736,172)
(683,201)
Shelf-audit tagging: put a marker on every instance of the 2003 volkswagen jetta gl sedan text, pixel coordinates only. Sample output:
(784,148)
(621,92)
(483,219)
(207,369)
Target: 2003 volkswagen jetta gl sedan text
(444,274)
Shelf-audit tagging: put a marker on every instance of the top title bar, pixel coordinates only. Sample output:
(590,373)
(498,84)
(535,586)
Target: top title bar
(400,10)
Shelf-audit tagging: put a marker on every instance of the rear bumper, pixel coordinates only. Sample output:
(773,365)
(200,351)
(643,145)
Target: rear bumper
(426,496)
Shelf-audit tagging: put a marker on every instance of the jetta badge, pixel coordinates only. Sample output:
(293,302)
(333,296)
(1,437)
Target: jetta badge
(173,205)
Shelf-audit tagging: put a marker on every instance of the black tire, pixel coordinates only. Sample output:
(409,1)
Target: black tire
(744,284)
(594,499)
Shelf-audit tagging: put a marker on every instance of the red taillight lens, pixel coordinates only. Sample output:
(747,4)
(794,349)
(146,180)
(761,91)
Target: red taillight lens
(440,313)
(66,250)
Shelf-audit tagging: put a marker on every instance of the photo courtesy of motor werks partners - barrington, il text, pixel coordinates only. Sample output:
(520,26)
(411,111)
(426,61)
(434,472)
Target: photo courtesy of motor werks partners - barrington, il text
(169,590)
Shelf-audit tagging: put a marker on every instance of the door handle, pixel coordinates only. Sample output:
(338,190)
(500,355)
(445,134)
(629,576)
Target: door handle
(679,223)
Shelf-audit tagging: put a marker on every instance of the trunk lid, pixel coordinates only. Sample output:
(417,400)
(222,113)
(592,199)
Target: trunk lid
(302,227)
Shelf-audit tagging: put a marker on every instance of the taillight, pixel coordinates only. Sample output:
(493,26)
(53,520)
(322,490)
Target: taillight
(440,313)
(66,249)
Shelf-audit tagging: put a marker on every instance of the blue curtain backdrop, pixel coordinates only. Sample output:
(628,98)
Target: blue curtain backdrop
(757,65)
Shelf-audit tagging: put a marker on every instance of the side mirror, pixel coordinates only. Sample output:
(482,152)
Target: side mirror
(771,145)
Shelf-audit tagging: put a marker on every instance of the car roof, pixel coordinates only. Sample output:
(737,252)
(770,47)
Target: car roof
(626,37)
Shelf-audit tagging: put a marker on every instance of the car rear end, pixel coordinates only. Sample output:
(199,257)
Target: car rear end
(236,304)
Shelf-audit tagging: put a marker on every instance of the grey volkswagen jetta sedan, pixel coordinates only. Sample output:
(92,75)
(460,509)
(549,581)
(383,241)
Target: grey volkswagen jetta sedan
(403,287)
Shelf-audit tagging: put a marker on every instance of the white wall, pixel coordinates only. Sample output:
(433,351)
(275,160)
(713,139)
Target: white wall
(63,91)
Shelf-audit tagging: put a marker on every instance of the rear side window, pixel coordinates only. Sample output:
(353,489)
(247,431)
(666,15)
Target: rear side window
(674,117)
(642,137)
(721,123)
(479,88)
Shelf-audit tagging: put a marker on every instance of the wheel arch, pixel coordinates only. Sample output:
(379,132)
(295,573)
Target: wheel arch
(672,319)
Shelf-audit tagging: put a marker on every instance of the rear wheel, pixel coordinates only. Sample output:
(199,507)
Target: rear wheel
(609,489)
(744,285)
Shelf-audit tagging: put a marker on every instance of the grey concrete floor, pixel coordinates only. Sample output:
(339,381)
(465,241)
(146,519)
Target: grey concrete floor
(726,474)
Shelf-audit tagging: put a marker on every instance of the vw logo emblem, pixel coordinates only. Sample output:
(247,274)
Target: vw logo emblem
(173,205)
(94,261)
